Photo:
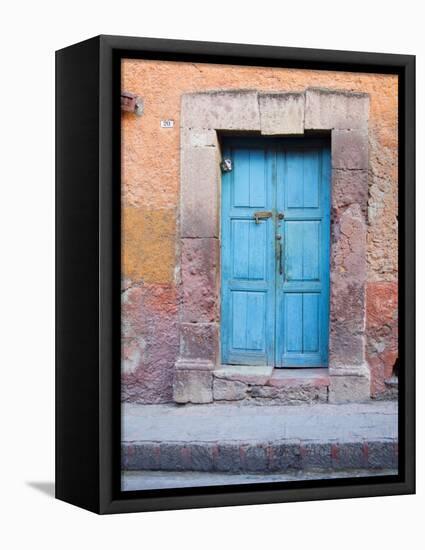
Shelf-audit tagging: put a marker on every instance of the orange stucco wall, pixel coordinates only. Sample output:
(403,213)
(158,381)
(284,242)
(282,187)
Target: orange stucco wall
(150,196)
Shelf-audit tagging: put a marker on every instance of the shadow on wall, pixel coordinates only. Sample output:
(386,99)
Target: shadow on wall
(396,367)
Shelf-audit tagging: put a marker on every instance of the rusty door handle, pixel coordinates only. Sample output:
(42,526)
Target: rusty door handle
(279,253)
(262,215)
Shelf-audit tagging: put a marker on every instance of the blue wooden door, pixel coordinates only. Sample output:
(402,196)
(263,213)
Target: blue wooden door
(275,253)
(302,289)
(248,259)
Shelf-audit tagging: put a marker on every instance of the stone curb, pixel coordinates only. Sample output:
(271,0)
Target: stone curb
(277,456)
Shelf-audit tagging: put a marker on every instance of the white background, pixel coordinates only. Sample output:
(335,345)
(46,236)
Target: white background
(30,32)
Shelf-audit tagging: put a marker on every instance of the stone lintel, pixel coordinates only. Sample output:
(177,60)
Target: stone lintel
(221,110)
(282,113)
(335,109)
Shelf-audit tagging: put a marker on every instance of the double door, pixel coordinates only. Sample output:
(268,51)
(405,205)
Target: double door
(275,239)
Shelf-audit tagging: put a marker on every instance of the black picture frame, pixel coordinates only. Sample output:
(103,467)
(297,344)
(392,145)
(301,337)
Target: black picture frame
(88,273)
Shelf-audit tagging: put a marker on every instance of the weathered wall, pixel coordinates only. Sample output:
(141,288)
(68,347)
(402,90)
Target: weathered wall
(150,196)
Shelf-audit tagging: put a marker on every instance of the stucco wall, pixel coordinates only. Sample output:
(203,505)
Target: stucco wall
(150,196)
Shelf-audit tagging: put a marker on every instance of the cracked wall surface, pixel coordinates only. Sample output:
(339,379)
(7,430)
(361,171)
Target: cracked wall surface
(151,194)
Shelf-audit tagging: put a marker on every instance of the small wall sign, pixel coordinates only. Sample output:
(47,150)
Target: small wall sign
(167,123)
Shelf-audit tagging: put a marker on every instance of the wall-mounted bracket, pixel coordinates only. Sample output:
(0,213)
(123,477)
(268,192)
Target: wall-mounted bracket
(132,103)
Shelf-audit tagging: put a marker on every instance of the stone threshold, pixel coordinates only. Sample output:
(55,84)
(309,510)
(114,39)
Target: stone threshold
(264,385)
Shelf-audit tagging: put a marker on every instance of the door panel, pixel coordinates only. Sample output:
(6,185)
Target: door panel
(249,313)
(249,178)
(275,313)
(249,249)
(311,322)
(248,260)
(302,250)
(302,291)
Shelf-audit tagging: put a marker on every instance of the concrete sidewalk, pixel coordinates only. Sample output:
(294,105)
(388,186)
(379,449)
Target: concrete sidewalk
(232,438)
(148,480)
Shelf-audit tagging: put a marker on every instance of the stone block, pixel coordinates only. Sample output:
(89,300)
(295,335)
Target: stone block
(315,377)
(285,456)
(348,250)
(202,457)
(199,340)
(229,390)
(345,345)
(347,387)
(183,363)
(316,455)
(227,458)
(282,113)
(221,110)
(192,386)
(349,187)
(199,261)
(198,137)
(174,457)
(289,395)
(254,458)
(264,392)
(143,456)
(382,454)
(347,297)
(199,192)
(350,149)
(333,109)
(246,374)
(348,456)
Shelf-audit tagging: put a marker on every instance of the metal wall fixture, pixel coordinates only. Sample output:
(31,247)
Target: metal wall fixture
(226,165)
(132,103)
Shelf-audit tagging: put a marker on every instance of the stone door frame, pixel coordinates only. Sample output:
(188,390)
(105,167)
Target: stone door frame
(203,115)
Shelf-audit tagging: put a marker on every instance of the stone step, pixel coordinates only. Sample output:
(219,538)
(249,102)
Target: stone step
(266,457)
(266,385)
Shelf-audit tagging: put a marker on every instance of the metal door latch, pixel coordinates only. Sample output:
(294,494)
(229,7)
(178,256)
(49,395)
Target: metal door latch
(262,215)
(279,253)
(226,165)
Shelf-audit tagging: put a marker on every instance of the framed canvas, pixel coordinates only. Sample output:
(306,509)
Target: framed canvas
(235,274)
